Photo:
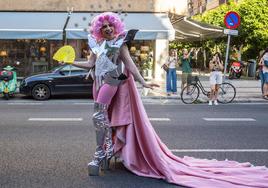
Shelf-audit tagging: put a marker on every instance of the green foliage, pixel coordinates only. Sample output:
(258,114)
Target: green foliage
(147,64)
(216,16)
(180,45)
(253,31)
(254,23)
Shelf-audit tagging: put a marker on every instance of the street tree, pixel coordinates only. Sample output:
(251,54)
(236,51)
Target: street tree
(253,31)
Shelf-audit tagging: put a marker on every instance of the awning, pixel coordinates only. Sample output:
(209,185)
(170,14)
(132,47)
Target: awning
(49,25)
(190,30)
(151,26)
(32,25)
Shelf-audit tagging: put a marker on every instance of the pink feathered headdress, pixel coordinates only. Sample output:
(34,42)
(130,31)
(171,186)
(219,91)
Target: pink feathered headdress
(112,18)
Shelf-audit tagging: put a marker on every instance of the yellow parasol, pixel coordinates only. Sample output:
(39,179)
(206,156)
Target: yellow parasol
(65,54)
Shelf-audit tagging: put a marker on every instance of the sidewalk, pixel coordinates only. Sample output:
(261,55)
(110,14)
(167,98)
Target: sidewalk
(246,90)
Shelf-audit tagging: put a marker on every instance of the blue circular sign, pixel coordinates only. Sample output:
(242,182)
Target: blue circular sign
(232,20)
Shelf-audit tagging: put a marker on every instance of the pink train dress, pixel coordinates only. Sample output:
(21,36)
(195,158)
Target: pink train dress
(144,154)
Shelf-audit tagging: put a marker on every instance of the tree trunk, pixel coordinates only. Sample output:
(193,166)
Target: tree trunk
(239,55)
(205,59)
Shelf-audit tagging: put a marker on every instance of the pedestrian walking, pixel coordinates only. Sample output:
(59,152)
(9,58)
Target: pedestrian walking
(171,79)
(215,79)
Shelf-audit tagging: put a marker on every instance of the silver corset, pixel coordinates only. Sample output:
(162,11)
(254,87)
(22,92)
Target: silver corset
(107,57)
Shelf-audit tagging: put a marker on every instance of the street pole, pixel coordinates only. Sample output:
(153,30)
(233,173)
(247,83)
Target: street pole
(231,21)
(64,37)
(226,57)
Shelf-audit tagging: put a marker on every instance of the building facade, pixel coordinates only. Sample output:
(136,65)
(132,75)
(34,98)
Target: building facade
(200,6)
(33,30)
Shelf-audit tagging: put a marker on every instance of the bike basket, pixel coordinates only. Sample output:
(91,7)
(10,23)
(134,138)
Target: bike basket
(194,79)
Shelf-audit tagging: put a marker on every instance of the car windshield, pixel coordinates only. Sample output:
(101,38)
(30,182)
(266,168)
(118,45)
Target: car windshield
(55,69)
(68,67)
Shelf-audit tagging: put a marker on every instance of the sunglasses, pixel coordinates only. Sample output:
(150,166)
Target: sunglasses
(107,25)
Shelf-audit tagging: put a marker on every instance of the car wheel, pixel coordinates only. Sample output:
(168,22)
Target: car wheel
(41,92)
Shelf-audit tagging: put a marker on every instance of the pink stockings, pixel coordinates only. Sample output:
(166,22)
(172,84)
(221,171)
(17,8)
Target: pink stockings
(104,143)
(105,94)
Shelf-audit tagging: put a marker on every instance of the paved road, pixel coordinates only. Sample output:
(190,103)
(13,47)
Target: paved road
(55,152)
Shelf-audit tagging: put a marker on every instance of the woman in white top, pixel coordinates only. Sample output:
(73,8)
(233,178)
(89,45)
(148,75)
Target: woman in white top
(171,73)
(215,66)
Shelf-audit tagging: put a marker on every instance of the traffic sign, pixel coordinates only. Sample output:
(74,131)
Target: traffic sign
(230,32)
(232,20)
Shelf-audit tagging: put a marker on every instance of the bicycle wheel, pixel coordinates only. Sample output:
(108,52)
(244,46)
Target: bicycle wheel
(190,94)
(227,93)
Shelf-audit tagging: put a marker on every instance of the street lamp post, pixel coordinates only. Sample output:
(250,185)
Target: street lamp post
(64,38)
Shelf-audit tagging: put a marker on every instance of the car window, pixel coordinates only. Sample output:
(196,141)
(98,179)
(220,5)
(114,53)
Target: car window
(77,70)
(66,70)
(55,69)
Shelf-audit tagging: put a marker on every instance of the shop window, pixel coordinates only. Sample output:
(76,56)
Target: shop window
(28,56)
(11,54)
(39,66)
(141,53)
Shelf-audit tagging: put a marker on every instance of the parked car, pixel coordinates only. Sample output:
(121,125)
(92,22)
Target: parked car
(65,79)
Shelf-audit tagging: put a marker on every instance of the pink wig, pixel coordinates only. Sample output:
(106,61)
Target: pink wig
(97,22)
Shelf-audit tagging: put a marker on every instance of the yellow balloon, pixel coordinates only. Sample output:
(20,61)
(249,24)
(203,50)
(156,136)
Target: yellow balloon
(65,54)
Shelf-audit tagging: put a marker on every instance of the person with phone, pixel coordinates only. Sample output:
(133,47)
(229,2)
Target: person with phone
(215,79)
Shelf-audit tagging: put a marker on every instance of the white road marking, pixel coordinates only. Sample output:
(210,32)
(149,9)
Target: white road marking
(219,150)
(173,102)
(159,119)
(229,119)
(83,103)
(55,119)
(24,103)
(252,103)
(81,119)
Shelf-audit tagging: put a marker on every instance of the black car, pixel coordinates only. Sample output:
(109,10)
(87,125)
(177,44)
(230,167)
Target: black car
(66,79)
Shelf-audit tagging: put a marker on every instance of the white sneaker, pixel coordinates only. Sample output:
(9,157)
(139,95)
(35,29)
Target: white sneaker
(210,103)
(216,102)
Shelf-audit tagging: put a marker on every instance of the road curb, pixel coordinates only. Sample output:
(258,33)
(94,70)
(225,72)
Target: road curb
(236,100)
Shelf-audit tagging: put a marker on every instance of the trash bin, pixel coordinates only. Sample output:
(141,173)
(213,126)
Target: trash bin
(251,68)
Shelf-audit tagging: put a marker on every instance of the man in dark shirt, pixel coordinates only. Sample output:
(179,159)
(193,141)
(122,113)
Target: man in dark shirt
(186,67)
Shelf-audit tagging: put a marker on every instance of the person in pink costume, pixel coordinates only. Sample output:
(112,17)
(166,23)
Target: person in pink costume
(118,108)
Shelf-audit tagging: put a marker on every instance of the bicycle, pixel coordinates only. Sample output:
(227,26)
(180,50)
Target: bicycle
(190,93)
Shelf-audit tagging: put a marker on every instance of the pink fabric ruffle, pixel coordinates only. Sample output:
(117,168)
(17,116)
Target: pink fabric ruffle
(144,154)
